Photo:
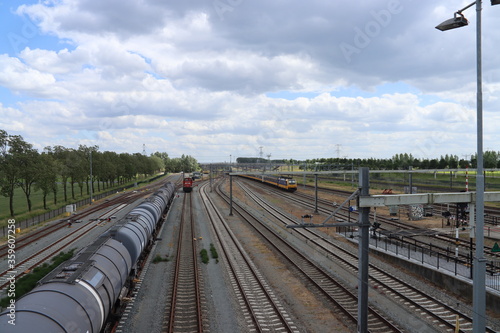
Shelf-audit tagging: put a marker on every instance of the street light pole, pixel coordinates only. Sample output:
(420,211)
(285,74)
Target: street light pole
(479,264)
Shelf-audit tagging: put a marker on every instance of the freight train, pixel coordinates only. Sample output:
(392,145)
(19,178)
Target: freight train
(85,292)
(283,182)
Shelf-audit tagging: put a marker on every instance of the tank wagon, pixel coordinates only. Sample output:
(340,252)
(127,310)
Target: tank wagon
(283,182)
(84,292)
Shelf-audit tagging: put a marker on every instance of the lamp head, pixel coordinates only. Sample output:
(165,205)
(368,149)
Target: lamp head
(455,22)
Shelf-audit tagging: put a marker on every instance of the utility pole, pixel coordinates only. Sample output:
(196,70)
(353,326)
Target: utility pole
(91,181)
(230,195)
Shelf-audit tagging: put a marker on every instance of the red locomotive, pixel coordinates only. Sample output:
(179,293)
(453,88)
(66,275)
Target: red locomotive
(187,184)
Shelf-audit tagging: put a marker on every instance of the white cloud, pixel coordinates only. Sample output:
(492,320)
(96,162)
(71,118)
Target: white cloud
(188,77)
(18,77)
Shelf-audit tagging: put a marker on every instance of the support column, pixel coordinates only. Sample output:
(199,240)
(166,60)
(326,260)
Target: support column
(230,195)
(210,177)
(316,194)
(363,248)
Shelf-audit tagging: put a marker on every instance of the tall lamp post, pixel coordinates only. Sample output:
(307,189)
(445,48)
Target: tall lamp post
(479,264)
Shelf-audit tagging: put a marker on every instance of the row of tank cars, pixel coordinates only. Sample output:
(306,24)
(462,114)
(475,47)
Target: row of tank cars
(83,294)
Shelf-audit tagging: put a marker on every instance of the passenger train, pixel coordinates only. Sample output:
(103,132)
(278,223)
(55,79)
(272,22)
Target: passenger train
(283,182)
(83,293)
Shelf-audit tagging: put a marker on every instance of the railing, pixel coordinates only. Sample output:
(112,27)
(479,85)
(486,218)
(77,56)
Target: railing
(431,255)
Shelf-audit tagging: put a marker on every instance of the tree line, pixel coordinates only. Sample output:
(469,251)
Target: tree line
(401,161)
(22,166)
(491,159)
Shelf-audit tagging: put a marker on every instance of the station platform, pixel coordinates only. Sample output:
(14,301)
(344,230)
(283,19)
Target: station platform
(439,269)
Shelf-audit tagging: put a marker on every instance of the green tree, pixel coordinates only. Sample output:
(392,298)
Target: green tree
(27,160)
(18,167)
(453,162)
(164,157)
(157,163)
(62,156)
(129,167)
(47,177)
(98,168)
(188,163)
(490,159)
(110,164)
(75,167)
(8,171)
(433,164)
(442,164)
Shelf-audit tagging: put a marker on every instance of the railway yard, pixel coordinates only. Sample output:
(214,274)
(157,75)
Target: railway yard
(212,268)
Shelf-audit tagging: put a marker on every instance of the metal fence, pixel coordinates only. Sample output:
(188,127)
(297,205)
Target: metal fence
(434,256)
(53,213)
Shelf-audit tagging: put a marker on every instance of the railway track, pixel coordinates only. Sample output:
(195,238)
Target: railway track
(262,310)
(186,313)
(343,298)
(26,265)
(406,234)
(439,313)
(63,223)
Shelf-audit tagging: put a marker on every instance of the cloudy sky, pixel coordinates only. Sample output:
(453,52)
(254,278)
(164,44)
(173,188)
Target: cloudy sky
(218,79)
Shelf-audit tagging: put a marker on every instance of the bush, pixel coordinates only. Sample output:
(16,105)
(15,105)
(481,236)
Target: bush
(204,256)
(213,251)
(158,258)
(27,282)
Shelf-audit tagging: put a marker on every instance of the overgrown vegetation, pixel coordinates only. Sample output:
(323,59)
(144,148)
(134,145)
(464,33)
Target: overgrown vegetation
(214,253)
(158,258)
(27,282)
(204,256)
